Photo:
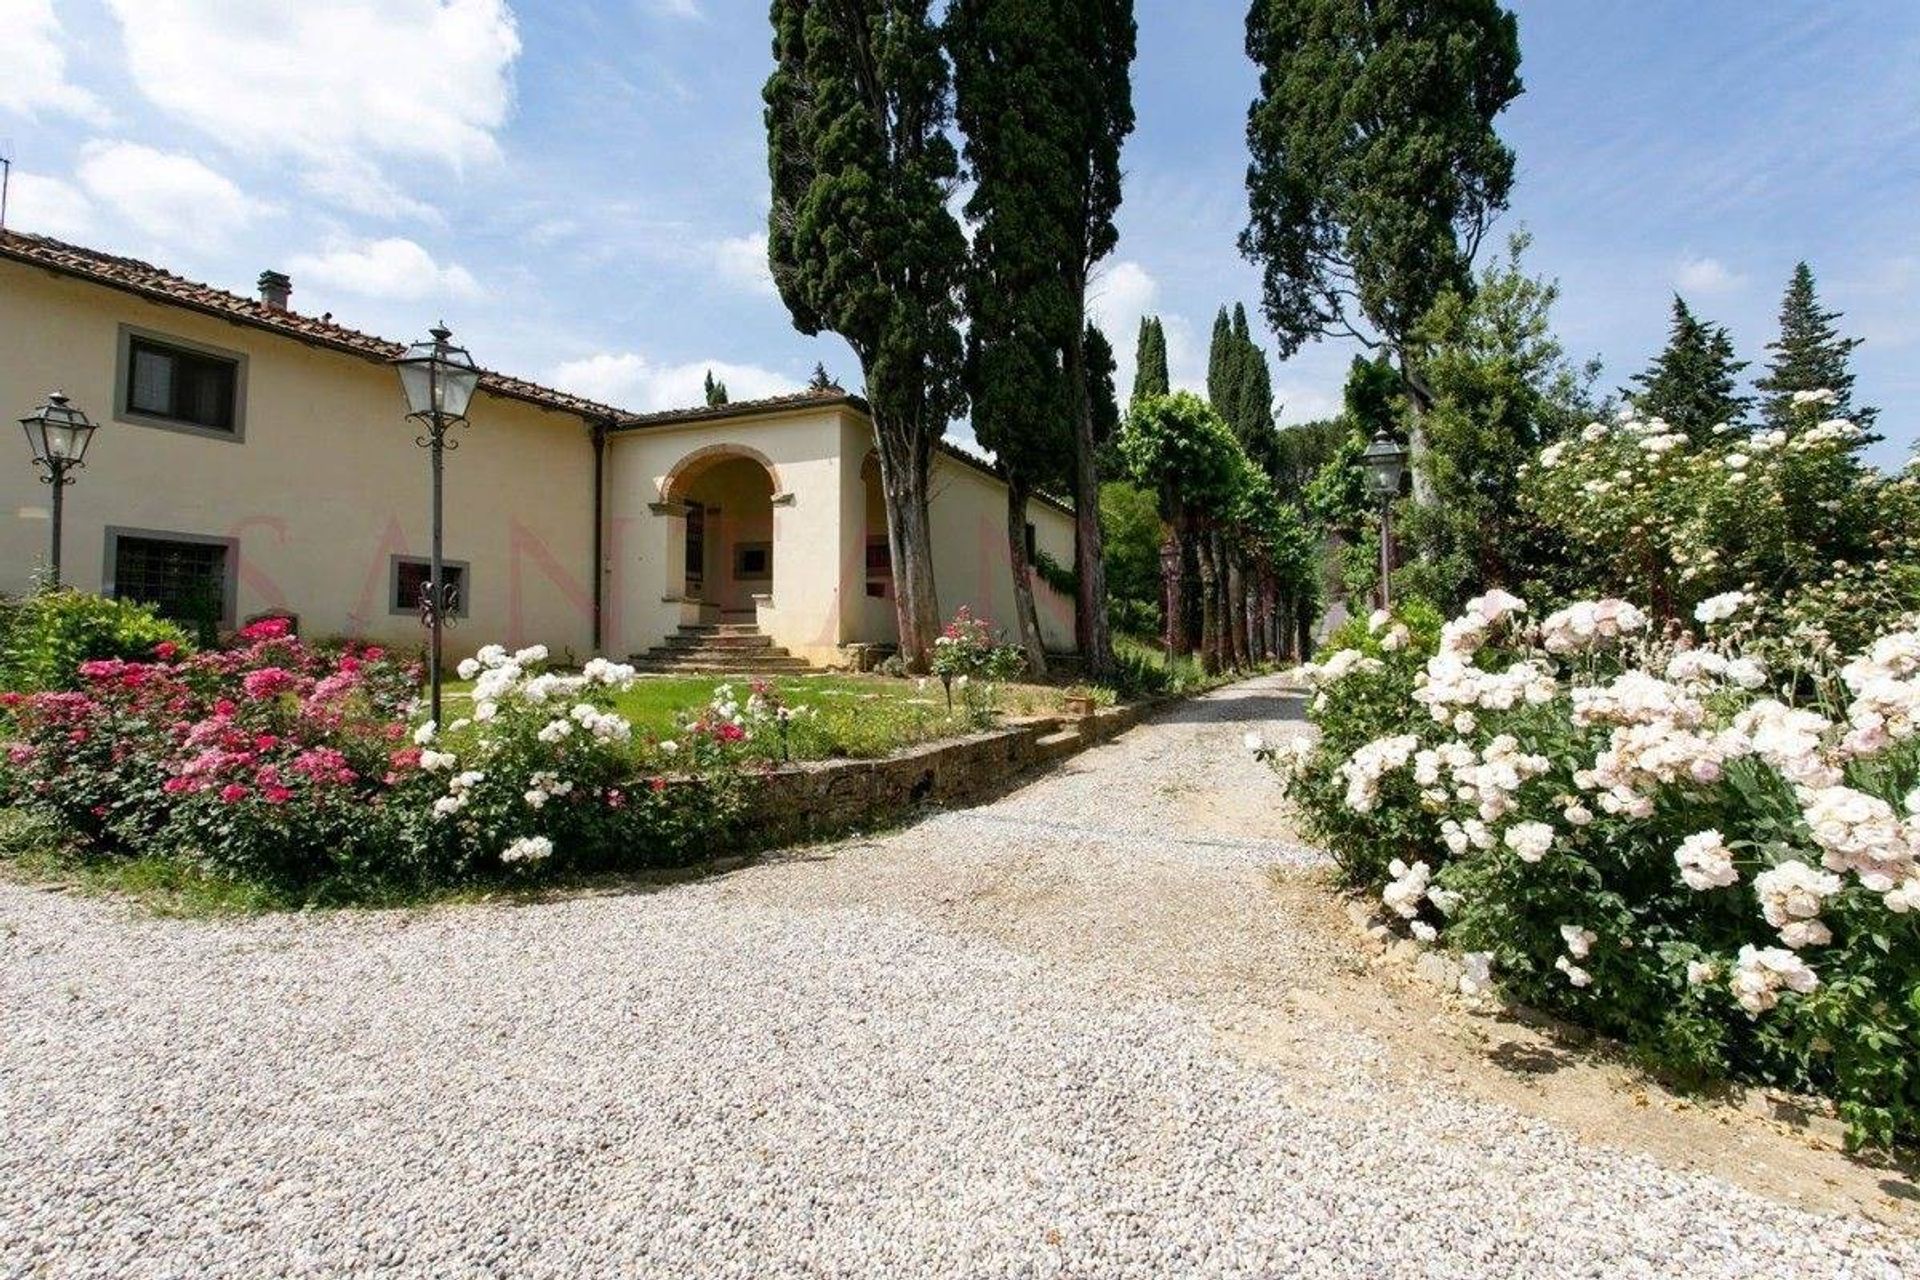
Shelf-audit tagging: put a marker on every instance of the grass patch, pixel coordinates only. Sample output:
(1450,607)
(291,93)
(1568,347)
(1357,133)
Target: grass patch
(31,850)
(852,716)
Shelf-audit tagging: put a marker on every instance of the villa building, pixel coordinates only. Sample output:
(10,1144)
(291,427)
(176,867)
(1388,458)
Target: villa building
(251,460)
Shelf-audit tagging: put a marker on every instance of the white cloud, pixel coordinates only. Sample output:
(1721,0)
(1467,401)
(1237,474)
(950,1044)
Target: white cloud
(1119,297)
(391,268)
(1296,404)
(742,262)
(33,65)
(163,193)
(340,87)
(1706,275)
(48,206)
(631,381)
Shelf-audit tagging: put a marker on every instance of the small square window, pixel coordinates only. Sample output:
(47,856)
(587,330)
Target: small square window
(192,388)
(187,579)
(409,580)
(753,562)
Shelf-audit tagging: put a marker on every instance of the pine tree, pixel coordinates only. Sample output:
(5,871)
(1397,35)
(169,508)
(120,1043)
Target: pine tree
(1810,355)
(716,391)
(1150,376)
(1692,383)
(821,380)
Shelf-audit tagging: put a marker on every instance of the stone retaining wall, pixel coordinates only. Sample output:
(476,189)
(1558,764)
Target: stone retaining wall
(820,798)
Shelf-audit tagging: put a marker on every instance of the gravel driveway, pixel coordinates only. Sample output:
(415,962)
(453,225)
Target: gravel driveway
(1004,1042)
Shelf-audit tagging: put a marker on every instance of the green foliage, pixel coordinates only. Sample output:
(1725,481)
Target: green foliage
(716,391)
(1691,384)
(45,637)
(1502,388)
(1181,449)
(1375,169)
(1130,518)
(1150,377)
(1060,577)
(1809,355)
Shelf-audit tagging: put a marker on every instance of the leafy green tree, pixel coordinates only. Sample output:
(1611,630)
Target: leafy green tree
(862,243)
(1693,383)
(1375,166)
(716,390)
(1809,355)
(1150,376)
(1503,388)
(1134,533)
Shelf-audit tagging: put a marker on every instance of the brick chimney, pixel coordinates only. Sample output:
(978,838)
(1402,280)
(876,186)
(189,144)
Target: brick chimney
(275,289)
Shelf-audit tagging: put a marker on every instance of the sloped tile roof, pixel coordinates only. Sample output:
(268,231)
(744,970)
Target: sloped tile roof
(145,280)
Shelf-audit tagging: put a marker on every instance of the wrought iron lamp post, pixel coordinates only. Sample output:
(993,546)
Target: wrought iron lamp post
(1386,465)
(438,379)
(59,435)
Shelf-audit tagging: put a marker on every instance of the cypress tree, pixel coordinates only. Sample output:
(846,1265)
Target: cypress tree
(1223,368)
(1809,355)
(716,390)
(1692,383)
(861,241)
(1150,376)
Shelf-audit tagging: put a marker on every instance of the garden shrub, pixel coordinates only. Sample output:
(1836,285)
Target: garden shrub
(45,637)
(970,661)
(1648,830)
(284,764)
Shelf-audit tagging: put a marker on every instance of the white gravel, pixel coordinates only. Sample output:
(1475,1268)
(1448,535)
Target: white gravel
(816,1067)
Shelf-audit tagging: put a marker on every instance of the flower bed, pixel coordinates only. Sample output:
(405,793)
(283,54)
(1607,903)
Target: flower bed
(297,766)
(1648,829)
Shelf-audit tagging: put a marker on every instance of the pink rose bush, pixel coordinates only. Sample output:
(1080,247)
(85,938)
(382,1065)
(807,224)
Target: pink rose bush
(1649,829)
(299,766)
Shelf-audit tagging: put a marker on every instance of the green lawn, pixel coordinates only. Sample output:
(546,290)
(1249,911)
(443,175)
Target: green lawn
(860,717)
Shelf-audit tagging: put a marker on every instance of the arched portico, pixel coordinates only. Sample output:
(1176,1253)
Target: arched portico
(721,537)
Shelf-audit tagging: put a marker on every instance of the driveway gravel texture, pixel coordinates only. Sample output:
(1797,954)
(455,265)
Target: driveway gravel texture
(1075,1032)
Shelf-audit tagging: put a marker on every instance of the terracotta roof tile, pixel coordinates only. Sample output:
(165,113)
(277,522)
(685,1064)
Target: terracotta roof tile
(148,281)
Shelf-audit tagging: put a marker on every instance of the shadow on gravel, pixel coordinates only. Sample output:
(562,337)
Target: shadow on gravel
(1228,710)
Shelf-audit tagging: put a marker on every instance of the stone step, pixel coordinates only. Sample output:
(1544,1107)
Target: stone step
(716,640)
(707,667)
(720,629)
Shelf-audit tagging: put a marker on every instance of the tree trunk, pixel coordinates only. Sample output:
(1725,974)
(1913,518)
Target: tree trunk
(904,466)
(1209,605)
(1023,606)
(1236,610)
(1419,403)
(1173,589)
(1089,544)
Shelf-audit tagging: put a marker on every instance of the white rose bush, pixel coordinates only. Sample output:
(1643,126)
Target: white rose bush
(543,775)
(1645,826)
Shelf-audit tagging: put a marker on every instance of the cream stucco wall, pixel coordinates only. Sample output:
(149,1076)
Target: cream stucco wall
(325,486)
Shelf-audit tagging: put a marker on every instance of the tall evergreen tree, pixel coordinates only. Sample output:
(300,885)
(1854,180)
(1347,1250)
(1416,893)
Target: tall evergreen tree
(1224,368)
(716,390)
(1375,166)
(1809,355)
(1095,90)
(862,243)
(1150,376)
(1017,304)
(1693,383)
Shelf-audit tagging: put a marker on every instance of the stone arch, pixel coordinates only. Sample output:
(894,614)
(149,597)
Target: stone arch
(674,486)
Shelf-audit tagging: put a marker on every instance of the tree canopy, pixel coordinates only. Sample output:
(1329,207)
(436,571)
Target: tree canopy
(1375,166)
(716,390)
(1150,377)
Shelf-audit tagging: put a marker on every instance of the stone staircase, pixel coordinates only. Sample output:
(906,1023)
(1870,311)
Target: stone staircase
(727,648)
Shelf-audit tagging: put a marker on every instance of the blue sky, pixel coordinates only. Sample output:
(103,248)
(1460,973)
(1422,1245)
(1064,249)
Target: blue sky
(578,186)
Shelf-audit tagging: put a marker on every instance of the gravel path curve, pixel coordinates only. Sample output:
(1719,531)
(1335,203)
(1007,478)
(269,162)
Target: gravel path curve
(994,1043)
